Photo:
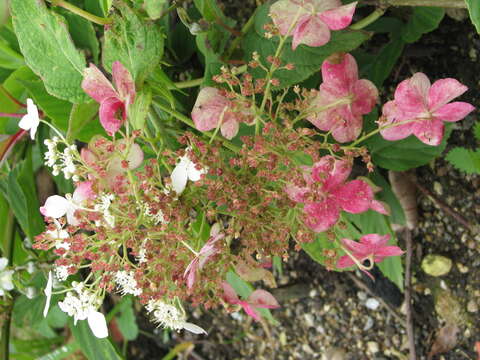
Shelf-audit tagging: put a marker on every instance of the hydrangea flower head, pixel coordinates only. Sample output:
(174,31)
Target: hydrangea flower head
(327,193)
(310,21)
(343,98)
(111,99)
(424,107)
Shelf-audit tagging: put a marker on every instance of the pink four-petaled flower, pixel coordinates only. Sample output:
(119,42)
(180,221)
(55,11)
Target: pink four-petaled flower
(343,98)
(206,252)
(213,109)
(112,100)
(327,193)
(423,107)
(310,21)
(258,299)
(372,247)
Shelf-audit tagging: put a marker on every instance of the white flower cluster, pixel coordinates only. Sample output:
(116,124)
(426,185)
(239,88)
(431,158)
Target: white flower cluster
(104,207)
(6,283)
(142,253)
(61,162)
(126,282)
(61,272)
(80,302)
(170,316)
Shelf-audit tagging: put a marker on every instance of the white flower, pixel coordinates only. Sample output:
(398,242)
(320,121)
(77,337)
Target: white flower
(59,235)
(31,120)
(184,171)
(48,293)
(104,207)
(127,283)
(83,306)
(167,315)
(6,283)
(57,206)
(61,272)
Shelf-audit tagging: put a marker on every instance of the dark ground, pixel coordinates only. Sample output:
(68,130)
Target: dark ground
(324,314)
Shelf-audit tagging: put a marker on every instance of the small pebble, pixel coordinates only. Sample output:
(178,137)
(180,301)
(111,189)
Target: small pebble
(462,268)
(309,321)
(373,347)
(436,265)
(362,296)
(437,187)
(372,304)
(472,306)
(368,324)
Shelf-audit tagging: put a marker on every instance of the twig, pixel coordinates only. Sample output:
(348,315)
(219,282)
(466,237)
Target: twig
(459,4)
(444,206)
(389,307)
(408,295)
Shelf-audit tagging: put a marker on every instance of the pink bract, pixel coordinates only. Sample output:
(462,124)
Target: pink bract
(257,299)
(342,99)
(212,107)
(114,102)
(310,21)
(327,193)
(206,252)
(424,108)
(372,247)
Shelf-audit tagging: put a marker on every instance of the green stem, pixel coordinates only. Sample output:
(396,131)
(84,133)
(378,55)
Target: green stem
(189,122)
(80,12)
(199,81)
(460,4)
(10,236)
(368,20)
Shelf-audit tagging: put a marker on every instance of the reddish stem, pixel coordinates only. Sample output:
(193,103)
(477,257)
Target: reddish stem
(11,115)
(11,97)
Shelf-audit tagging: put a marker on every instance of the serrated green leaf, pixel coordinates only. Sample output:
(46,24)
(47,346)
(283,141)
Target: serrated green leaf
(307,60)
(93,348)
(136,43)
(465,160)
(422,21)
(154,8)
(48,49)
(317,247)
(138,111)
(474,11)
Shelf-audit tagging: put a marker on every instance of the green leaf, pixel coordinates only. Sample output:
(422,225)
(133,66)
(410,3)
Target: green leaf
(307,60)
(48,49)
(474,11)
(93,348)
(209,10)
(383,63)
(83,33)
(55,108)
(476,131)
(98,7)
(136,43)
(138,111)
(9,58)
(317,247)
(83,122)
(403,154)
(372,222)
(422,21)
(19,188)
(154,8)
(465,160)
(126,321)
(63,352)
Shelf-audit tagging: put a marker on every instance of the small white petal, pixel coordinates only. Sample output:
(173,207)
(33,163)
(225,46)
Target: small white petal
(31,120)
(98,324)
(179,177)
(194,328)
(6,280)
(3,263)
(56,206)
(193,173)
(48,293)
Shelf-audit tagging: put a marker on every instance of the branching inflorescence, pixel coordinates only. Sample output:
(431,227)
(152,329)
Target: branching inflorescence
(170,237)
